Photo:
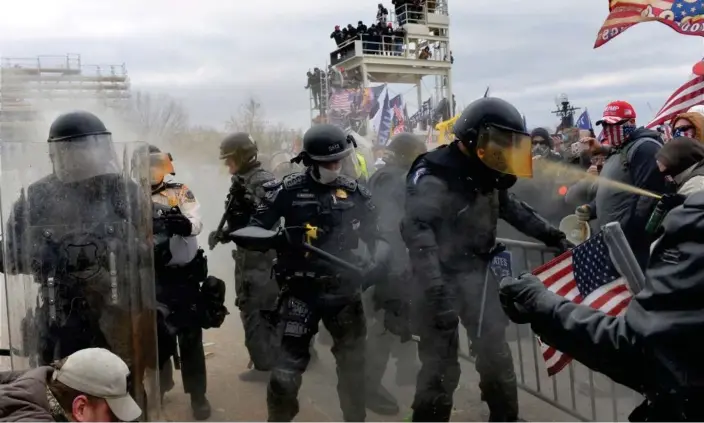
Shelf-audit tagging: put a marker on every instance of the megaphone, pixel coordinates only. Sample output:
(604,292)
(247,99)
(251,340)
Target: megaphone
(575,229)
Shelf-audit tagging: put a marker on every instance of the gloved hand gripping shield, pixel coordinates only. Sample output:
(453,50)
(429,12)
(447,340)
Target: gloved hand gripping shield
(78,255)
(505,150)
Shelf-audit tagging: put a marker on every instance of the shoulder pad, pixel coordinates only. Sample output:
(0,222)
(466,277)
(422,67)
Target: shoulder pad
(364,191)
(294,180)
(418,173)
(273,184)
(347,183)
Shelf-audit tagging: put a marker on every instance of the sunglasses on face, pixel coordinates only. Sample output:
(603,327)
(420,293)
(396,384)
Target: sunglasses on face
(685,128)
(538,141)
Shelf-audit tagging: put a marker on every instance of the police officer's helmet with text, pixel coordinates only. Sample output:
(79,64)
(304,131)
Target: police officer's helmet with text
(325,143)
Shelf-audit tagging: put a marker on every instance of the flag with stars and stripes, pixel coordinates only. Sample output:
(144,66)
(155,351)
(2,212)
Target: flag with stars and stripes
(585,275)
(684,16)
(688,95)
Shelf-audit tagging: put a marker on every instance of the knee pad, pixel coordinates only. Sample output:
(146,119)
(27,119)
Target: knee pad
(285,383)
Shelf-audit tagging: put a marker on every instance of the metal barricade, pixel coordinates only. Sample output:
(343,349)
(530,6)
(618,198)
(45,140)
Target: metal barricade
(576,391)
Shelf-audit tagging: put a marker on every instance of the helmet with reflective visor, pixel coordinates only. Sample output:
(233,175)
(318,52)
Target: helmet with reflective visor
(81,147)
(493,130)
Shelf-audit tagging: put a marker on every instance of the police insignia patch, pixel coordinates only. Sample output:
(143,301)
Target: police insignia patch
(418,174)
(189,195)
(340,193)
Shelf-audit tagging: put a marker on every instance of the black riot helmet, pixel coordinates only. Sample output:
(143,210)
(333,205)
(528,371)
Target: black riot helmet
(404,148)
(241,147)
(76,125)
(325,143)
(81,147)
(492,130)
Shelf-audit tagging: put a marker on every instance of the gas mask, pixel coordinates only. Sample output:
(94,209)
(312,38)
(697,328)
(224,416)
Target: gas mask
(328,176)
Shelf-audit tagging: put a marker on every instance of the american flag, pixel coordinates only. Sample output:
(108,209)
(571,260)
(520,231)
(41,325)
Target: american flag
(399,121)
(684,16)
(586,275)
(342,100)
(688,95)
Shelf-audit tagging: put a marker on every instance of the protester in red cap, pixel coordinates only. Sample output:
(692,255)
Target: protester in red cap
(630,161)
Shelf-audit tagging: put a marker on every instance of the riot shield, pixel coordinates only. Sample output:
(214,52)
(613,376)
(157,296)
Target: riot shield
(78,255)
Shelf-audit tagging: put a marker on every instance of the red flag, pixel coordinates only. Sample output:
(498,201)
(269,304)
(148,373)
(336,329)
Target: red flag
(684,16)
(586,275)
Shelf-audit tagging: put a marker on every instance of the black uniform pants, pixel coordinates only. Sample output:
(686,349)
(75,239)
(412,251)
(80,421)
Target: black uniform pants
(300,315)
(191,354)
(381,344)
(256,291)
(438,352)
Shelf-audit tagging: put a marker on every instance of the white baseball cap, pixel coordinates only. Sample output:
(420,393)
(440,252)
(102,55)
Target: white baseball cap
(102,374)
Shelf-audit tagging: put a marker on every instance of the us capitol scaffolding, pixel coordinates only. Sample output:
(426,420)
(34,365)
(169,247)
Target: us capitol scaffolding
(56,83)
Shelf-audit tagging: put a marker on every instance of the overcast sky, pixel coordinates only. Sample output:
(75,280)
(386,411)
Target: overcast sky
(212,54)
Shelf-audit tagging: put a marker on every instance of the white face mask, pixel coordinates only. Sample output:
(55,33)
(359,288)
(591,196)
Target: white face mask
(328,176)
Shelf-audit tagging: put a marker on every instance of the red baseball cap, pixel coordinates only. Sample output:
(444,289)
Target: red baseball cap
(617,111)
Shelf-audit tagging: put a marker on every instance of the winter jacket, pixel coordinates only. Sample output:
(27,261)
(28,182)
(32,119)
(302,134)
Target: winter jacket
(24,396)
(650,348)
(633,164)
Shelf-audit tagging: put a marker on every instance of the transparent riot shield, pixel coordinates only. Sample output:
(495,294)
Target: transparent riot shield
(78,255)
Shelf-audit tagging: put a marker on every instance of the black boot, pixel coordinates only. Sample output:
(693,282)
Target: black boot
(382,402)
(254,375)
(200,407)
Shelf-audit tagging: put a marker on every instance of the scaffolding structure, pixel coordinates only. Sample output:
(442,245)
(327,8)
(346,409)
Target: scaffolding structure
(31,85)
(422,51)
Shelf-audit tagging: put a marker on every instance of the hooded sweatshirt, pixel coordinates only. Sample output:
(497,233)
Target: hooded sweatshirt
(697,120)
(684,159)
(24,397)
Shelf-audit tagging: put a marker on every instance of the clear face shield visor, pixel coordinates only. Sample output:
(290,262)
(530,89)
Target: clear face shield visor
(160,165)
(83,158)
(506,151)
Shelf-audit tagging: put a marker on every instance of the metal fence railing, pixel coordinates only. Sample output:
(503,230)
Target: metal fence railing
(576,391)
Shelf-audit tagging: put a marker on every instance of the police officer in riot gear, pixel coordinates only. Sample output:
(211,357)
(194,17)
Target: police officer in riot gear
(455,194)
(388,186)
(82,234)
(256,290)
(338,214)
(180,267)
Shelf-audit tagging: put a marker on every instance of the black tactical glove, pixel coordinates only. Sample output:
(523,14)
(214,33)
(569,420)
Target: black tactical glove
(518,295)
(397,319)
(443,312)
(178,224)
(563,245)
(670,201)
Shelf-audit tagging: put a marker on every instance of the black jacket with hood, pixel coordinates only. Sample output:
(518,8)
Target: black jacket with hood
(655,347)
